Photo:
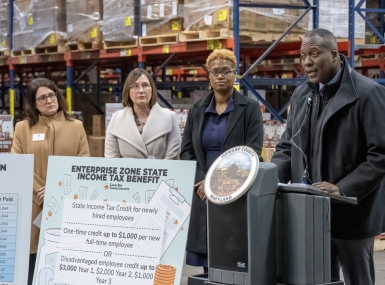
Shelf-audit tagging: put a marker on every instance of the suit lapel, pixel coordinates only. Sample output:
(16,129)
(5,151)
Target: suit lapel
(200,122)
(239,105)
(128,131)
(345,95)
(159,122)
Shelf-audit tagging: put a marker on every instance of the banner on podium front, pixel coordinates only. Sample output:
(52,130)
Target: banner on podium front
(114,221)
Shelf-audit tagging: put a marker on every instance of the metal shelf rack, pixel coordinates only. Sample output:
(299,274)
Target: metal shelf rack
(74,66)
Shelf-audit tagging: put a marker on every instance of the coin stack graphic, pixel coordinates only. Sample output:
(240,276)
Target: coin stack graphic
(164,275)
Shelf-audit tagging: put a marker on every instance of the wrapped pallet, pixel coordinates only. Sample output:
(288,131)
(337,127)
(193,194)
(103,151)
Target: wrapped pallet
(120,21)
(155,10)
(215,15)
(22,25)
(334,16)
(83,20)
(4,25)
(49,22)
(375,20)
(161,17)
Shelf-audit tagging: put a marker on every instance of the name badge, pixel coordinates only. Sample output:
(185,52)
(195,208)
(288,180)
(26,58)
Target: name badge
(38,137)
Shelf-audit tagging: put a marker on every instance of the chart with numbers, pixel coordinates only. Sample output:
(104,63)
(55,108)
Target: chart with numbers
(16,178)
(8,231)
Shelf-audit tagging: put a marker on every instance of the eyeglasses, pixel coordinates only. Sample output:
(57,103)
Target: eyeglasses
(44,98)
(227,72)
(137,86)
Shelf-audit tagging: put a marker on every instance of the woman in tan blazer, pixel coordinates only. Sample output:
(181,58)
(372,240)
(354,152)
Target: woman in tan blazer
(142,129)
(47,130)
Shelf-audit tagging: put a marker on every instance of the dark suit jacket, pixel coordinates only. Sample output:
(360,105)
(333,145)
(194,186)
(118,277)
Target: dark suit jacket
(244,127)
(351,151)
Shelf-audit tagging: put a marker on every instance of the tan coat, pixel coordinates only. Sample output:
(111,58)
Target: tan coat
(62,137)
(160,139)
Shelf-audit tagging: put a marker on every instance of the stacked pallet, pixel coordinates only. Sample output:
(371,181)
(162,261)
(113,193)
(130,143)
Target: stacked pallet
(214,20)
(55,26)
(39,27)
(22,27)
(83,25)
(162,21)
(4,28)
(120,24)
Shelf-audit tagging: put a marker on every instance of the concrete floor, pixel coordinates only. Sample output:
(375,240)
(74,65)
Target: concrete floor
(379,260)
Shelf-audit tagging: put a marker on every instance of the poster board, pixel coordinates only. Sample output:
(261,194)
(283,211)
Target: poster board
(114,221)
(16,176)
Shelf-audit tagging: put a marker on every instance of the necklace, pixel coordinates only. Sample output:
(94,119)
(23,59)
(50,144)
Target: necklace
(139,124)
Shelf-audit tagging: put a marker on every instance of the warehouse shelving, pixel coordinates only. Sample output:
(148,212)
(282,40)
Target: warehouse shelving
(71,69)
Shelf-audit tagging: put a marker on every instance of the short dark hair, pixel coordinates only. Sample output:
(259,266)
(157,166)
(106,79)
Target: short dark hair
(328,38)
(30,109)
(131,79)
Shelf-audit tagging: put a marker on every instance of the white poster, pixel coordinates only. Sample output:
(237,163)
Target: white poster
(16,188)
(114,221)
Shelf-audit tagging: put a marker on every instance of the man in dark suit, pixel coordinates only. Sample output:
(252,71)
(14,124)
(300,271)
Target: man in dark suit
(342,115)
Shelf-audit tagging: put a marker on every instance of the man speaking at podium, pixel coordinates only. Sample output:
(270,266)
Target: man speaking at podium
(335,140)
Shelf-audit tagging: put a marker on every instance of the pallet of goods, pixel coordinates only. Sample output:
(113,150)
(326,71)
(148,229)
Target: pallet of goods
(120,24)
(22,28)
(162,21)
(49,26)
(4,28)
(39,27)
(206,20)
(84,31)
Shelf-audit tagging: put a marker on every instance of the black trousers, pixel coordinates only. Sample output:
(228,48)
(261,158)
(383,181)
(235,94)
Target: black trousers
(356,259)
(32,262)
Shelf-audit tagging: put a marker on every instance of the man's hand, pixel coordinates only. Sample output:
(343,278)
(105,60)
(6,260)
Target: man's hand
(328,187)
(201,190)
(40,194)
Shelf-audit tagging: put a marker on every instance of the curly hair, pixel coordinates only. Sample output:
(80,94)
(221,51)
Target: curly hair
(222,54)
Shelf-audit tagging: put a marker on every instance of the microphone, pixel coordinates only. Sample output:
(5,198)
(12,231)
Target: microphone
(305,177)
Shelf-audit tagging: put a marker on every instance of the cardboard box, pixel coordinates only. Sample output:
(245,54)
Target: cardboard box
(120,20)
(258,23)
(49,22)
(221,18)
(96,145)
(98,125)
(82,20)
(161,10)
(334,16)
(159,28)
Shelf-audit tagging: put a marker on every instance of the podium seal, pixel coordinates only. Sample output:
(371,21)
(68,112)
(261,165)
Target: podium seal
(231,175)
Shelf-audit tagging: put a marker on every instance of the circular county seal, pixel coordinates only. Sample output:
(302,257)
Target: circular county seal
(231,175)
